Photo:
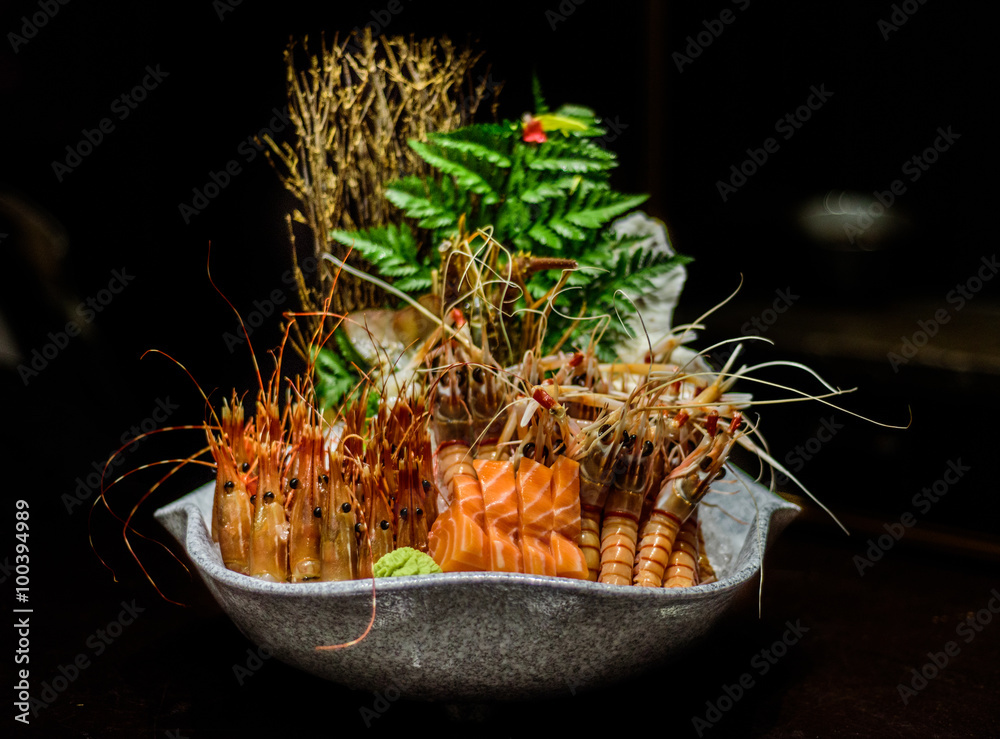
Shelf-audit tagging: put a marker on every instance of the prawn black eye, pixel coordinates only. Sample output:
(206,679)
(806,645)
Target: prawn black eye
(325,479)
(384,525)
(268,495)
(647,448)
(580,380)
(420,511)
(603,432)
(293,483)
(461,378)
(705,463)
(253,498)
(427,486)
(545,452)
(346,508)
(318,512)
(229,485)
(246,466)
(358,528)
(529,449)
(477,374)
(392,449)
(403,513)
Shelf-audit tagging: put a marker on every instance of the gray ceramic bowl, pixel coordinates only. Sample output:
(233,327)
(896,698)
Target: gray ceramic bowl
(485,636)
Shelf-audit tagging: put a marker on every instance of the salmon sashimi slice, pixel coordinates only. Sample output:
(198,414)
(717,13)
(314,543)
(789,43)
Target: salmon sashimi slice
(468,498)
(534,493)
(496,479)
(534,490)
(569,558)
(469,548)
(570,561)
(457,541)
(437,534)
(538,559)
(566,497)
(459,544)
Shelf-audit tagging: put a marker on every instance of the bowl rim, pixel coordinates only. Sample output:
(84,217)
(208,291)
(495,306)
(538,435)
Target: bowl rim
(197,542)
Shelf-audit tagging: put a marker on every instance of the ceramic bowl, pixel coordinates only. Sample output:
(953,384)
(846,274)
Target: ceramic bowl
(486,636)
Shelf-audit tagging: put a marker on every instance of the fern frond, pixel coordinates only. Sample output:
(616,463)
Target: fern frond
(392,251)
(479,150)
(465,176)
(601,215)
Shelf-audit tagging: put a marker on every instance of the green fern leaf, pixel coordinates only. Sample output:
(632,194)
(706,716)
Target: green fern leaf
(568,230)
(410,194)
(600,216)
(392,250)
(477,150)
(419,283)
(464,177)
(569,164)
(541,233)
(553,189)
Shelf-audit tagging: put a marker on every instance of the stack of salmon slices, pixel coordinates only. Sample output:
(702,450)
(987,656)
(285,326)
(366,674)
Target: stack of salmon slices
(506,521)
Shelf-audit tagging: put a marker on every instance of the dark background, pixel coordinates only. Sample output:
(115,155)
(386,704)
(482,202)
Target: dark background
(679,132)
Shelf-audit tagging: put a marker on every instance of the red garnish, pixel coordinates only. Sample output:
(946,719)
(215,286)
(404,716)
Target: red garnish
(457,317)
(737,420)
(533,133)
(544,399)
(712,422)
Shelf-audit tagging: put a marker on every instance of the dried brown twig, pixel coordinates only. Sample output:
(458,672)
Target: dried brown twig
(354,106)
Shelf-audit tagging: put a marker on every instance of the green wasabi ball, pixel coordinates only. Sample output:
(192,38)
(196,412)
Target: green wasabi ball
(405,561)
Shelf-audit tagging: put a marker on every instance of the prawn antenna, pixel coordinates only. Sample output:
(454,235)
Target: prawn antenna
(253,356)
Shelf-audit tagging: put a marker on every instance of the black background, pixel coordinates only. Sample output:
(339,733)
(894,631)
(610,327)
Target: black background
(680,131)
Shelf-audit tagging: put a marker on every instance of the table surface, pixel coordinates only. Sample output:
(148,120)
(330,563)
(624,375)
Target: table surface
(854,640)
